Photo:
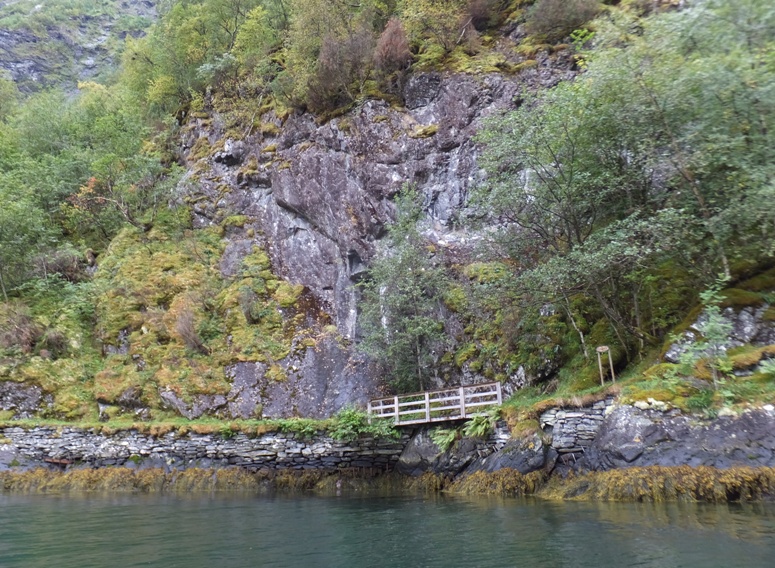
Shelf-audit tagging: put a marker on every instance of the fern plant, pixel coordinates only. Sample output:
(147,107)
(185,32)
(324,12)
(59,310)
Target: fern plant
(445,437)
(482,425)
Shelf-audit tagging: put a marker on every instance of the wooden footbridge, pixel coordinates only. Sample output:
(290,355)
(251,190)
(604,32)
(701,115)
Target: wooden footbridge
(458,403)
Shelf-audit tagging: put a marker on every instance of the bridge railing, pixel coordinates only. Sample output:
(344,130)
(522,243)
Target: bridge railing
(456,403)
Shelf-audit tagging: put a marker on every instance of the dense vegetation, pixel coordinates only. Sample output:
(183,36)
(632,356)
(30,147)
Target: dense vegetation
(616,198)
(58,42)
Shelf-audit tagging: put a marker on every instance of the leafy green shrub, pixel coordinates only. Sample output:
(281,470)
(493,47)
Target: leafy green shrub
(305,427)
(350,423)
(556,19)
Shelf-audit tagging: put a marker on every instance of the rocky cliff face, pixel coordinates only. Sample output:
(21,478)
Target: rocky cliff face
(318,196)
(62,52)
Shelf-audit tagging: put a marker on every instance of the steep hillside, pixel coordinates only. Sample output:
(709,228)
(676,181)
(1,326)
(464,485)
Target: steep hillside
(259,222)
(60,42)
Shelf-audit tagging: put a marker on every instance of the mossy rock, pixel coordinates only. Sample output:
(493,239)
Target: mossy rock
(487,272)
(287,294)
(737,298)
(465,353)
(269,129)
(235,221)
(760,283)
(424,131)
(749,356)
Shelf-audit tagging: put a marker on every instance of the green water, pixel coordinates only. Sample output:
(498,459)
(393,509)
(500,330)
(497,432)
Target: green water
(224,532)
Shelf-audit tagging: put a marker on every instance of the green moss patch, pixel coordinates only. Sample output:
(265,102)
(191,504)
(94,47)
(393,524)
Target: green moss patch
(738,298)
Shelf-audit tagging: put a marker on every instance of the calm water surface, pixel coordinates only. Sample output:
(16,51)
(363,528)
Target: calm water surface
(228,531)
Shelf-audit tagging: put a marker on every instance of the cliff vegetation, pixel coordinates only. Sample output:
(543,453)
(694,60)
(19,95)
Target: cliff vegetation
(627,206)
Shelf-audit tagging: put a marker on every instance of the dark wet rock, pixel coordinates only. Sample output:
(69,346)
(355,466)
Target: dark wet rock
(422,455)
(232,153)
(633,437)
(421,89)
(525,455)
(122,344)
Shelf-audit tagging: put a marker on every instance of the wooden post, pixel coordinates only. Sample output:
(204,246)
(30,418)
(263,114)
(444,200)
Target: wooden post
(500,393)
(398,417)
(600,350)
(462,402)
(427,406)
(611,362)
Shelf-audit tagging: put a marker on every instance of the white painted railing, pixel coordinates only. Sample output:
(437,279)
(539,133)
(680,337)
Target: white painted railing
(456,403)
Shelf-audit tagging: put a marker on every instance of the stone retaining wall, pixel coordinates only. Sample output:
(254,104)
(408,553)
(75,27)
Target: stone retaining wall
(575,429)
(65,446)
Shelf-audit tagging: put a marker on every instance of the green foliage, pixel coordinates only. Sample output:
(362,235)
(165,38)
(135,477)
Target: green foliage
(714,330)
(556,19)
(402,303)
(482,425)
(651,168)
(350,423)
(444,438)
(767,368)
(434,24)
(9,96)
(188,49)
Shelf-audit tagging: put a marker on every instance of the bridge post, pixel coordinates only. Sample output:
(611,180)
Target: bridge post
(398,417)
(462,402)
(427,406)
(500,393)
(368,411)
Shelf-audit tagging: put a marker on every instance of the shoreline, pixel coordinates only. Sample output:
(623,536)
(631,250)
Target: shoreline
(606,451)
(654,484)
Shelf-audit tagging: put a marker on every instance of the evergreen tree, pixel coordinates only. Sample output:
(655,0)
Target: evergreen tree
(402,317)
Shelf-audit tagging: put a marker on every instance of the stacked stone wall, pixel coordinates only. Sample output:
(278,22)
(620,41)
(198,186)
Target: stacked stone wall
(575,429)
(73,446)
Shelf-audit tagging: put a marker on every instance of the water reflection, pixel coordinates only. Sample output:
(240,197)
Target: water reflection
(438,531)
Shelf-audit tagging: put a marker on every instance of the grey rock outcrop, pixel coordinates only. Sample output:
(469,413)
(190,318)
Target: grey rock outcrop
(24,400)
(318,197)
(525,455)
(633,437)
(748,326)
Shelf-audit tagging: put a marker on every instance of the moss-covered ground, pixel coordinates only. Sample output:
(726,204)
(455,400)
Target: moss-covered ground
(157,316)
